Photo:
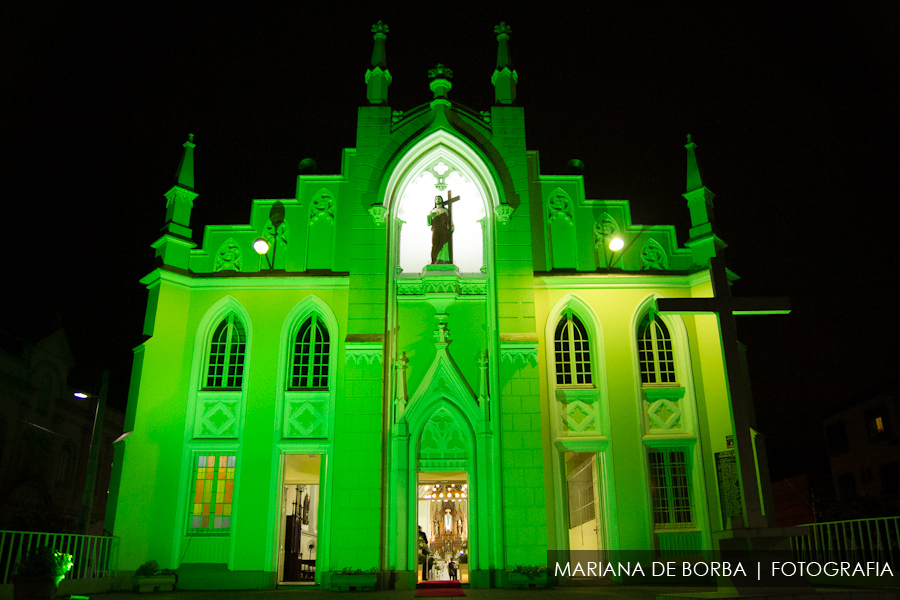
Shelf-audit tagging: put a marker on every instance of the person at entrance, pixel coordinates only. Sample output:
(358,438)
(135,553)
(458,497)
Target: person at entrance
(423,549)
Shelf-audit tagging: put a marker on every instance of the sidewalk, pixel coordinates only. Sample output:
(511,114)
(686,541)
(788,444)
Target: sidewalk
(567,593)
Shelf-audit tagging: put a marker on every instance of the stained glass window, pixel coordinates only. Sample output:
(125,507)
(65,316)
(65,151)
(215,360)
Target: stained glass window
(670,488)
(572,352)
(655,353)
(309,368)
(213,494)
(226,354)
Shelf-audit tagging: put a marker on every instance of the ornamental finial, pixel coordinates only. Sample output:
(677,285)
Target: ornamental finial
(379,27)
(502,29)
(440,72)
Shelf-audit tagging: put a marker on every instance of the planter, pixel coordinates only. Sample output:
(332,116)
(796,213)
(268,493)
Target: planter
(355,582)
(520,580)
(153,583)
(27,588)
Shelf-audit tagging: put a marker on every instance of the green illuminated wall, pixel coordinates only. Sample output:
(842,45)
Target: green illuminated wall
(408,347)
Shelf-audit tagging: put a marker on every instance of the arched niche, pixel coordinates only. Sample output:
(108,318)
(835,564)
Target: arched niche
(433,166)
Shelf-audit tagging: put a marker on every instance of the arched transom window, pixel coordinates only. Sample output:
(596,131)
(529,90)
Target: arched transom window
(309,367)
(573,354)
(655,352)
(226,354)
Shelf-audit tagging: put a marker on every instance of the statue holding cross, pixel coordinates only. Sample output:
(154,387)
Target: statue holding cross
(441,221)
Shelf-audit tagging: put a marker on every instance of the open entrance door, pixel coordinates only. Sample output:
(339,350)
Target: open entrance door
(442,515)
(587,535)
(299,519)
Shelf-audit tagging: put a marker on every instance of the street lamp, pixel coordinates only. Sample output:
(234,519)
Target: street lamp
(90,476)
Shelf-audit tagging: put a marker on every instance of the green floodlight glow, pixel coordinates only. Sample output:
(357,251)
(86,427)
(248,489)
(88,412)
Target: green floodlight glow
(616,244)
(261,246)
(81,395)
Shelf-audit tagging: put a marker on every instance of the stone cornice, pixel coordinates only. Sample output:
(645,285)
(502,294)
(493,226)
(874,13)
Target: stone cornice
(244,281)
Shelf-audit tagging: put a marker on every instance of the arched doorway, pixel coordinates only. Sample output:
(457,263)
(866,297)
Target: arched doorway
(442,498)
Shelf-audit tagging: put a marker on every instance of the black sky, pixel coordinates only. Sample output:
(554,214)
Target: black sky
(794,110)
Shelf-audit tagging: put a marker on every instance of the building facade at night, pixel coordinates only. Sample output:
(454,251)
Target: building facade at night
(349,367)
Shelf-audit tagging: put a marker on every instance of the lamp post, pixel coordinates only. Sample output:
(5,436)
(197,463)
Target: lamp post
(90,476)
(261,246)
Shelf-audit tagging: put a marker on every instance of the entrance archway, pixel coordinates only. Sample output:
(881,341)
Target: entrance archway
(442,515)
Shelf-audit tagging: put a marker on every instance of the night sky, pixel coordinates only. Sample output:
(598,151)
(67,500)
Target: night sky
(794,111)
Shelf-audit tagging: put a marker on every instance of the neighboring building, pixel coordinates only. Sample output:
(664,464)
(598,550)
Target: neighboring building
(306,409)
(793,501)
(863,437)
(45,437)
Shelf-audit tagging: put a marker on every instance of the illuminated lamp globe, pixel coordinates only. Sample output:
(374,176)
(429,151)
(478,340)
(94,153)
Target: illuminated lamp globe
(261,246)
(616,244)
(81,395)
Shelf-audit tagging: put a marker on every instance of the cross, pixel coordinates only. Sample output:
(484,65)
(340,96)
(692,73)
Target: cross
(450,200)
(725,308)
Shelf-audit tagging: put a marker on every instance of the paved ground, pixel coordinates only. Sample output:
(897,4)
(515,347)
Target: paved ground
(584,593)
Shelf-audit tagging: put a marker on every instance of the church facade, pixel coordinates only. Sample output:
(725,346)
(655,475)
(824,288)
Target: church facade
(439,351)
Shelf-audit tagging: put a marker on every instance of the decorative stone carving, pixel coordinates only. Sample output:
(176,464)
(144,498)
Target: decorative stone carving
(519,354)
(363,353)
(322,206)
(306,416)
(560,204)
(378,213)
(229,256)
(473,287)
(663,409)
(180,195)
(582,417)
(217,417)
(443,442)
(653,256)
(410,287)
(504,213)
(605,227)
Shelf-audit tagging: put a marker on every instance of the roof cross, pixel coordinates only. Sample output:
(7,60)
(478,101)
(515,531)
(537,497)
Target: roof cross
(725,308)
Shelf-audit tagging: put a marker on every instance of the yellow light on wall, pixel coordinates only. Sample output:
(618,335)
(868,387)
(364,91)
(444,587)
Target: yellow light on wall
(261,246)
(616,244)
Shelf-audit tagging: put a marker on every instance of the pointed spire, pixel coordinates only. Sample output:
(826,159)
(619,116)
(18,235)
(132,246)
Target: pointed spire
(704,243)
(174,247)
(378,78)
(505,77)
(504,58)
(693,171)
(184,176)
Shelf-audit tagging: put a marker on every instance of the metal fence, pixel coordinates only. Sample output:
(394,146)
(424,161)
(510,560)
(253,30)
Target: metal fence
(861,540)
(93,556)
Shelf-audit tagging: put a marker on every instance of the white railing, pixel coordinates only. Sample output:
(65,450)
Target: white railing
(93,556)
(861,540)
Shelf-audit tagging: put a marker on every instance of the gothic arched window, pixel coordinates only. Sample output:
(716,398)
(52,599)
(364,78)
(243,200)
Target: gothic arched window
(226,354)
(309,367)
(572,352)
(655,352)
